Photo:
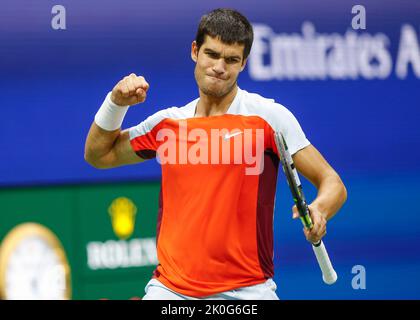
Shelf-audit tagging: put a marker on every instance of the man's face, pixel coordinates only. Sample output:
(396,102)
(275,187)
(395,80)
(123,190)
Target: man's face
(217,66)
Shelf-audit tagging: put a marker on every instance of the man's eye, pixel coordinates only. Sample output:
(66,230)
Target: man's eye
(212,54)
(231,60)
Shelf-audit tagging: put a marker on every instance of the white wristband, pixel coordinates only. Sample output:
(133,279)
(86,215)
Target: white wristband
(110,116)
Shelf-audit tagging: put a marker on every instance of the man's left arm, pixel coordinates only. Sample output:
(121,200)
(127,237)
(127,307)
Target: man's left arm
(331,191)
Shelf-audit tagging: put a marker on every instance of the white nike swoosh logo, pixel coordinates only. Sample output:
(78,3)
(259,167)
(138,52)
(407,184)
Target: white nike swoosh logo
(228,136)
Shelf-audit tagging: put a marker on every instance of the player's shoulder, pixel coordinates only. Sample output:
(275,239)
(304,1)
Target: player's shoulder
(155,120)
(252,98)
(267,108)
(177,112)
(174,112)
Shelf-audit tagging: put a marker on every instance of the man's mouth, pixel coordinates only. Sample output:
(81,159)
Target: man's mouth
(214,77)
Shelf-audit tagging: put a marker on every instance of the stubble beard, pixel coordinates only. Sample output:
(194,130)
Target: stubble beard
(217,93)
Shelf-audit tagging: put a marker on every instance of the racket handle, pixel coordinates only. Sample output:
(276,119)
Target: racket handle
(328,273)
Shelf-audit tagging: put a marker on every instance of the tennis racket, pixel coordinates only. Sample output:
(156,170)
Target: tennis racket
(328,273)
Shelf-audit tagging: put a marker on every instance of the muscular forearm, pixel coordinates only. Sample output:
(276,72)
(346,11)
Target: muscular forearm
(331,196)
(99,143)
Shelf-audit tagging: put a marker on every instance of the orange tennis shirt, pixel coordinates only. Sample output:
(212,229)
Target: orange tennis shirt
(216,206)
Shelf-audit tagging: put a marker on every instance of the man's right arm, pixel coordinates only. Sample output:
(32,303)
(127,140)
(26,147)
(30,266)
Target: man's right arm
(107,146)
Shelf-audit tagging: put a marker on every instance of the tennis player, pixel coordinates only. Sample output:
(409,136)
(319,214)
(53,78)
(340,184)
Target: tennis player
(219,169)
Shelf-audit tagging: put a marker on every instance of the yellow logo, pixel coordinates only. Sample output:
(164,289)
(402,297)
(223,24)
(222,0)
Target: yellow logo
(123,215)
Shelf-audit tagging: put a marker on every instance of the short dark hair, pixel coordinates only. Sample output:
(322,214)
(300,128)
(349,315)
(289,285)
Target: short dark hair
(228,25)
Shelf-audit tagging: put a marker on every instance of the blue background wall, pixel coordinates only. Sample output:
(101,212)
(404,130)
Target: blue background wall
(53,81)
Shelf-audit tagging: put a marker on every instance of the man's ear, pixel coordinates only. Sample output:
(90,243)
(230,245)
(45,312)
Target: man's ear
(244,64)
(194,51)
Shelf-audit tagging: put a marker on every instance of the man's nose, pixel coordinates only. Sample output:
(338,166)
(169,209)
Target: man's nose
(219,66)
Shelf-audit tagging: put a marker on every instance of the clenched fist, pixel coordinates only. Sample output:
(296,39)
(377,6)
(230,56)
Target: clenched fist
(319,229)
(130,90)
